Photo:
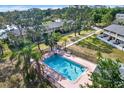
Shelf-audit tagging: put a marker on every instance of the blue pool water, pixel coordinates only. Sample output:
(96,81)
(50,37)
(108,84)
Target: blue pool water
(65,67)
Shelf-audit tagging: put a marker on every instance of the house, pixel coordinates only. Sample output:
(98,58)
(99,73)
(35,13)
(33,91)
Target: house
(56,25)
(119,19)
(13,29)
(113,35)
(120,16)
(3,34)
(48,28)
(75,6)
(97,6)
(58,20)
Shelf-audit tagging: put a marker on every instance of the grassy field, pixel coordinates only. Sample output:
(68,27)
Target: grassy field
(7,52)
(71,36)
(92,45)
(42,46)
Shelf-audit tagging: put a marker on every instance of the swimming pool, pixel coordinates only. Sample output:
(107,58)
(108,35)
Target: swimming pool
(65,67)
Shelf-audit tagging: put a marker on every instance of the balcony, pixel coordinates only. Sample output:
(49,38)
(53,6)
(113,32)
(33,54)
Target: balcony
(115,35)
(111,34)
(113,43)
(120,38)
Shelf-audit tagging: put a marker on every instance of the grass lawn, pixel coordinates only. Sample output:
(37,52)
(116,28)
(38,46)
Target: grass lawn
(42,46)
(7,52)
(100,24)
(91,45)
(72,35)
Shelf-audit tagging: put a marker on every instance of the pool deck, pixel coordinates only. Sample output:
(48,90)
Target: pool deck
(55,77)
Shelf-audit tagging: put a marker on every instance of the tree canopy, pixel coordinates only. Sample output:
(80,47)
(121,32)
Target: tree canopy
(107,75)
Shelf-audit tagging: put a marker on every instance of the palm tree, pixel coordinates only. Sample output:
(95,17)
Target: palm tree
(19,24)
(38,39)
(12,39)
(51,42)
(65,27)
(1,49)
(64,39)
(99,54)
(38,29)
(75,28)
(30,34)
(37,57)
(52,39)
(2,22)
(12,57)
(23,57)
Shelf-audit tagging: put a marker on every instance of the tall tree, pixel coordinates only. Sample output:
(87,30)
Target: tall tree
(1,48)
(64,39)
(107,75)
(52,39)
(23,57)
(107,19)
(2,22)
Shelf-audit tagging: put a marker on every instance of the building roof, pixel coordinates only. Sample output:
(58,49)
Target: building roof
(119,14)
(2,34)
(2,31)
(115,28)
(55,25)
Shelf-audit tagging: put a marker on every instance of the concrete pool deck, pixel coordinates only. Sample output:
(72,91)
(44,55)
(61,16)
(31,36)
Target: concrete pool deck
(60,81)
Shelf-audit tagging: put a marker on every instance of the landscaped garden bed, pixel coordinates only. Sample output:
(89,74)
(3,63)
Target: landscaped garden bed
(95,44)
(89,48)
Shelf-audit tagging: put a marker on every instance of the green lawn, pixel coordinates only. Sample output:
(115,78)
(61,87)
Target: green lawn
(8,52)
(72,35)
(92,45)
(96,44)
(42,46)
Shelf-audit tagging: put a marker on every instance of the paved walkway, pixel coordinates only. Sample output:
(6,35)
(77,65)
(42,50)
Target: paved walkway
(95,28)
(81,39)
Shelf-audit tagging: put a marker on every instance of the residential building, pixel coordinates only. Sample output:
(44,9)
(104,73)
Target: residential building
(120,16)
(13,28)
(3,34)
(48,28)
(57,24)
(113,35)
(97,6)
(75,6)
